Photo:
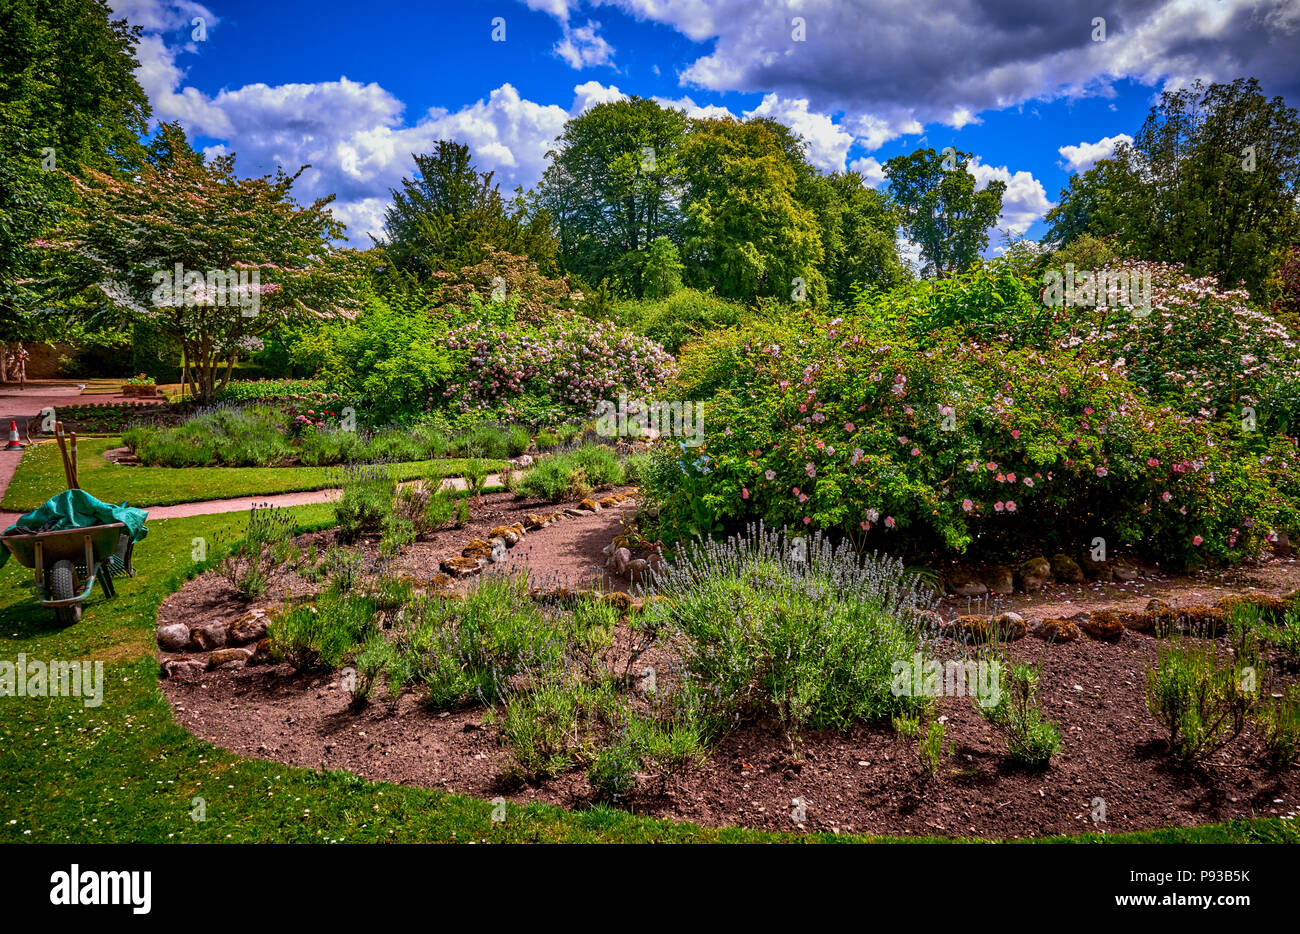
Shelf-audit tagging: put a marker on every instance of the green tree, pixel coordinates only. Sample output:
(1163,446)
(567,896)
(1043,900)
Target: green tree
(250,258)
(747,232)
(1210,181)
(613,187)
(68,98)
(940,208)
(858,234)
(662,274)
(450,215)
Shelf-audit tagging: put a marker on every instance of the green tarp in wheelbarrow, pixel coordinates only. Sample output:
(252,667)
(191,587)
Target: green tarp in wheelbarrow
(69,526)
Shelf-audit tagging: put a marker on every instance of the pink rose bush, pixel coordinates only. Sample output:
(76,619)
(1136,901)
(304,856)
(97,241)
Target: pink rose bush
(569,361)
(952,441)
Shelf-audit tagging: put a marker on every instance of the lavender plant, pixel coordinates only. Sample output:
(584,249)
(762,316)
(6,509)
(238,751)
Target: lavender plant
(797,628)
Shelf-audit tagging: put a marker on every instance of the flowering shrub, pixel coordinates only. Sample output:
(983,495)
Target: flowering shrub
(854,426)
(569,361)
(1202,349)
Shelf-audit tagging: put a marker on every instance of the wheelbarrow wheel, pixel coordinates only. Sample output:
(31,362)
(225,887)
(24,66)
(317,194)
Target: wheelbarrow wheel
(63,586)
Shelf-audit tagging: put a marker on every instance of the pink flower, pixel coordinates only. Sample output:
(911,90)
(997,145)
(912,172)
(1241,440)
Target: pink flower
(1152,462)
(806,520)
(1029,481)
(744,493)
(967,505)
(1001,478)
(1166,496)
(770,474)
(915,451)
(1015,433)
(1196,539)
(865,525)
(1087,410)
(889,521)
(999,505)
(1102,471)
(1011,505)
(848,426)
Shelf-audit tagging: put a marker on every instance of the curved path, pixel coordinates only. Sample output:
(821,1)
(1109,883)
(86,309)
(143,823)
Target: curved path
(23,405)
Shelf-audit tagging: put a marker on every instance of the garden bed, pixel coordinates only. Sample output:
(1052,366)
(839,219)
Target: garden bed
(1112,772)
(862,781)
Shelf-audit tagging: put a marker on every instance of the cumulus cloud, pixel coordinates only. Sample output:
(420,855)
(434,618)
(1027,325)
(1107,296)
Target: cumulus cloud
(590,93)
(583,46)
(828,144)
(871,170)
(693,110)
(1024,200)
(947,61)
(1084,156)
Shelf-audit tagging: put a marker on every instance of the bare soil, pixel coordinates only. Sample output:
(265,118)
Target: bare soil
(1112,773)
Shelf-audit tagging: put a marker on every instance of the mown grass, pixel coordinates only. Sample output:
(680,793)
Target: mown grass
(40,475)
(126,772)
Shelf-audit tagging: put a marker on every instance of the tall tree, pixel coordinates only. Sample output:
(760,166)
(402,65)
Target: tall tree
(451,215)
(613,187)
(747,232)
(858,234)
(1210,181)
(940,208)
(205,257)
(68,98)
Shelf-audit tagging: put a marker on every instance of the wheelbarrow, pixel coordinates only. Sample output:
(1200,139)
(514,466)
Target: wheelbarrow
(67,562)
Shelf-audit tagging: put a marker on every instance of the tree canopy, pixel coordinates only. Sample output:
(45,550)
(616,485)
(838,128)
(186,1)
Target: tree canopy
(1210,181)
(450,215)
(204,256)
(68,98)
(940,208)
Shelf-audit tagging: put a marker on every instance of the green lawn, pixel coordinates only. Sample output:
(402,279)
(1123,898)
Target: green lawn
(40,475)
(125,772)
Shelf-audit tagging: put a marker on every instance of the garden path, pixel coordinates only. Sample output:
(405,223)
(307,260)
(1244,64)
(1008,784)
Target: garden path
(214,506)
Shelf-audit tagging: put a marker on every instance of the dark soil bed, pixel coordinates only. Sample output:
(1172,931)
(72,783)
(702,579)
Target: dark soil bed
(864,781)
(1112,759)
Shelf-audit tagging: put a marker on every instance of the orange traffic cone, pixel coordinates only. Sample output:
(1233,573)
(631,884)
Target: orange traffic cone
(14,444)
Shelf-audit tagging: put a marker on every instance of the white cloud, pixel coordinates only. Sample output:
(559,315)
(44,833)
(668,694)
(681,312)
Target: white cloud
(871,170)
(828,144)
(890,67)
(1084,156)
(1024,200)
(693,110)
(590,93)
(583,47)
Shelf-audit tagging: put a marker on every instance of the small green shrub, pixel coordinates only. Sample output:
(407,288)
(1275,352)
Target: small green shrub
(572,475)
(465,650)
(267,544)
(376,657)
(930,747)
(320,447)
(796,629)
(546,441)
(1031,738)
(365,500)
(1200,700)
(324,635)
(517,440)
(1278,720)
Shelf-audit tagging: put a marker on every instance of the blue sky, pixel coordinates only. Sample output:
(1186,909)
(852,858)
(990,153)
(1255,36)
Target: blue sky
(1031,88)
